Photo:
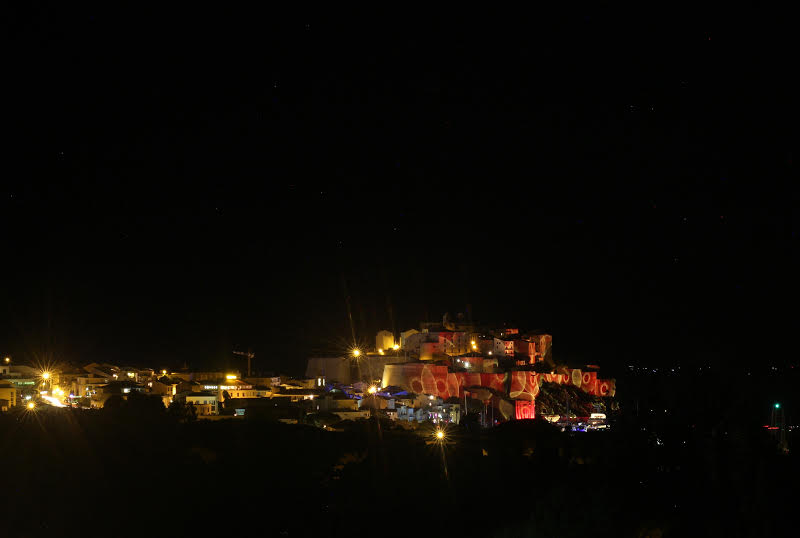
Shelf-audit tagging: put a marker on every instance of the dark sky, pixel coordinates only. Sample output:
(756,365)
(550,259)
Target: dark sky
(181,183)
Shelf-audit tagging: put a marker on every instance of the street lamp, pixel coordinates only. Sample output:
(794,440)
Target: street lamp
(46,379)
(440,438)
(356,352)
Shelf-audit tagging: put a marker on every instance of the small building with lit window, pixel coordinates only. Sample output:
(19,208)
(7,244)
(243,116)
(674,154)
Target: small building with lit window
(8,392)
(87,386)
(205,403)
(164,386)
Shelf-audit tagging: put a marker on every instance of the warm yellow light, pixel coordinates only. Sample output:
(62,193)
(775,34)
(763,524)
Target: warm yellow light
(473,342)
(230,376)
(490,353)
(372,389)
(130,374)
(31,405)
(45,375)
(163,372)
(439,434)
(380,351)
(7,359)
(356,352)
(396,347)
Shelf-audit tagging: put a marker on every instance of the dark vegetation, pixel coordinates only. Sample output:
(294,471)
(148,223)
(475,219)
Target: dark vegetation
(138,469)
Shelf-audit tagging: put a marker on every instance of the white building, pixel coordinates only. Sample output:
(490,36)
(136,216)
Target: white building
(384,340)
(405,335)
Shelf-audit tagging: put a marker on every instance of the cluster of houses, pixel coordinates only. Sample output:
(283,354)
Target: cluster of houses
(212,394)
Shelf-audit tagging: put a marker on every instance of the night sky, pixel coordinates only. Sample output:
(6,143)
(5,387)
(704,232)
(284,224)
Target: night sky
(178,184)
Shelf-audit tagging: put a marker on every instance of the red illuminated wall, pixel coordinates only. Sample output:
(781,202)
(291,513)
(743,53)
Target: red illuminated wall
(432,379)
(525,409)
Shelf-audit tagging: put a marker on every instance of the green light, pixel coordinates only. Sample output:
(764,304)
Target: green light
(777,406)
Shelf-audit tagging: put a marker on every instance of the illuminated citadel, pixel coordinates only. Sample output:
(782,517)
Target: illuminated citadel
(511,372)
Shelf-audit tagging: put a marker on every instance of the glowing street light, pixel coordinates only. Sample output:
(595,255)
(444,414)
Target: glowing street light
(7,360)
(356,352)
(45,375)
(396,347)
(163,372)
(31,406)
(372,389)
(230,376)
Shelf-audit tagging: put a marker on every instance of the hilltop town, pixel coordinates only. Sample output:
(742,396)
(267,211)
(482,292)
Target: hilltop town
(440,373)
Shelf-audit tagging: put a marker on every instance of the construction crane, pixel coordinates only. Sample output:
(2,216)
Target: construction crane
(249,354)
